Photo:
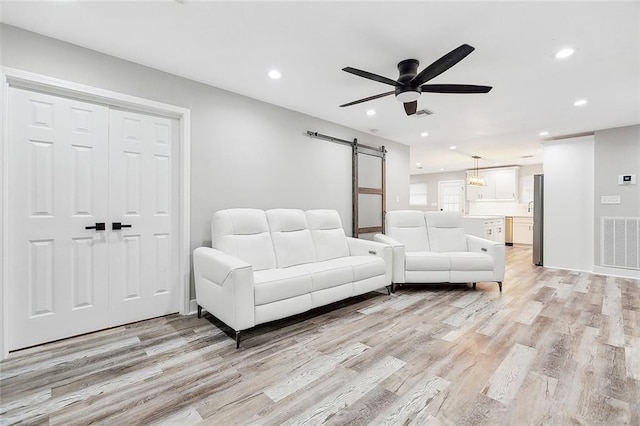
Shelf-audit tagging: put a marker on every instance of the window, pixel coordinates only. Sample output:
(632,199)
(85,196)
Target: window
(418,194)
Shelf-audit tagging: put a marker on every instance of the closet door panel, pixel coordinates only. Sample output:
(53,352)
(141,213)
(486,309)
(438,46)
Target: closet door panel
(57,186)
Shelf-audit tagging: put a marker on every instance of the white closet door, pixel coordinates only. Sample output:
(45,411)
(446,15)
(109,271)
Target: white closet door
(58,185)
(144,197)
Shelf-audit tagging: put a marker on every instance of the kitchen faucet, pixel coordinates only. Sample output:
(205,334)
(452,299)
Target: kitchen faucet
(529,206)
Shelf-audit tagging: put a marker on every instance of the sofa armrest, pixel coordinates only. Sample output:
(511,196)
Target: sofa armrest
(397,248)
(224,287)
(358,247)
(492,248)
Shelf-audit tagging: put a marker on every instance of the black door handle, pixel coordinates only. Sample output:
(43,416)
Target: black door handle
(99,226)
(116,226)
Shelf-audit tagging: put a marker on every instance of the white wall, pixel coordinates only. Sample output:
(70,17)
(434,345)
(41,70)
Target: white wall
(568,204)
(617,152)
(244,153)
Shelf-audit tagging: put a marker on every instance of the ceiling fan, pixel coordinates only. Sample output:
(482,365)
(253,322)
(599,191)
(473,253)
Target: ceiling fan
(410,83)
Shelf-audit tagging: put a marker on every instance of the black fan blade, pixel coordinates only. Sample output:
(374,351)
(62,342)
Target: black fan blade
(370,98)
(455,88)
(371,76)
(411,107)
(442,64)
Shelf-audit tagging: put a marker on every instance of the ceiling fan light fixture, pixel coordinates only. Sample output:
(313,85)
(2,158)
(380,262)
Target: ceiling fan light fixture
(408,96)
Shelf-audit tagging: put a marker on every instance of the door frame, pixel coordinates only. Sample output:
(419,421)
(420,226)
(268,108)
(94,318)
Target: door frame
(10,77)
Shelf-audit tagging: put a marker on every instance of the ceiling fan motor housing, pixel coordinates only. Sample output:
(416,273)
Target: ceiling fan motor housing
(407,92)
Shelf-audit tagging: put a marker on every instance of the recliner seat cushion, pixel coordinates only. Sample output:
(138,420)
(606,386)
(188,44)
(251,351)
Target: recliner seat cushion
(327,274)
(272,285)
(427,261)
(471,261)
(365,267)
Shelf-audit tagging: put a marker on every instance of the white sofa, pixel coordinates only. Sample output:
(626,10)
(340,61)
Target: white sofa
(432,247)
(267,265)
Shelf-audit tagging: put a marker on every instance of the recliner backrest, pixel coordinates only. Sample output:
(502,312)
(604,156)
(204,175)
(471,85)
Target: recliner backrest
(409,228)
(328,235)
(244,233)
(291,236)
(446,232)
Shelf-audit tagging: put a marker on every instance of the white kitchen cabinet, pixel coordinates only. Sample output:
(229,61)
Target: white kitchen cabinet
(506,181)
(487,227)
(500,184)
(523,230)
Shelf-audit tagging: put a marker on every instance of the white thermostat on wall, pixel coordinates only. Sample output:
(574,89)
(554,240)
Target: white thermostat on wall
(626,179)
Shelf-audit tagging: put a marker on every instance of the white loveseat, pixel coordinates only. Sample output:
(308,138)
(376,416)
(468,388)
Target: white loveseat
(432,247)
(267,265)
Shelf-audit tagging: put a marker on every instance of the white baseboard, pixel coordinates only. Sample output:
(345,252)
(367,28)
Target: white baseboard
(568,269)
(617,272)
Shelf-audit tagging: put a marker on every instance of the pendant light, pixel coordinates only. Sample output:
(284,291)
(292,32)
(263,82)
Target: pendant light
(474,178)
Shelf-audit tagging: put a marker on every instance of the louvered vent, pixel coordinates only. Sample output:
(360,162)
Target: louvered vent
(620,242)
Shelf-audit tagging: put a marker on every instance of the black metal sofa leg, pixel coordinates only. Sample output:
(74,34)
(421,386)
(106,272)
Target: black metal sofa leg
(500,285)
(237,339)
(474,285)
(199,311)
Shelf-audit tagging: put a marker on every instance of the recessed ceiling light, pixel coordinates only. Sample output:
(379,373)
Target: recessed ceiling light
(442,170)
(418,165)
(496,164)
(580,102)
(274,74)
(452,147)
(545,133)
(564,53)
(424,134)
(371,112)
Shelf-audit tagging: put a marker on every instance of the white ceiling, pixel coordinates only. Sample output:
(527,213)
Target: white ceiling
(232,45)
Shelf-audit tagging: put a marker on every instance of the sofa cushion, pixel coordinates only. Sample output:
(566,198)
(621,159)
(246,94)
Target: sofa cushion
(329,273)
(292,241)
(244,233)
(271,285)
(365,267)
(471,261)
(328,235)
(409,228)
(427,261)
(446,231)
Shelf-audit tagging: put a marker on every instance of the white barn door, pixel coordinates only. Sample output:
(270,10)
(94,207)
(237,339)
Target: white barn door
(77,170)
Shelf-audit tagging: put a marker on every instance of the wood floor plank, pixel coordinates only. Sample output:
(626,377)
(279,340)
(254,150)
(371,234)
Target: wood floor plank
(345,396)
(508,378)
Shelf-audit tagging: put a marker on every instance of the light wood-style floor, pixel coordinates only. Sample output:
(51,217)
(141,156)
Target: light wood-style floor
(555,347)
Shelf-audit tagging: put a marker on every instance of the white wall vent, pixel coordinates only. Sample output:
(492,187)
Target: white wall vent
(620,242)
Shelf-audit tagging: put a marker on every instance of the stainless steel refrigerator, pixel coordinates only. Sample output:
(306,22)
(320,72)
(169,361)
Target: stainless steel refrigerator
(538,218)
